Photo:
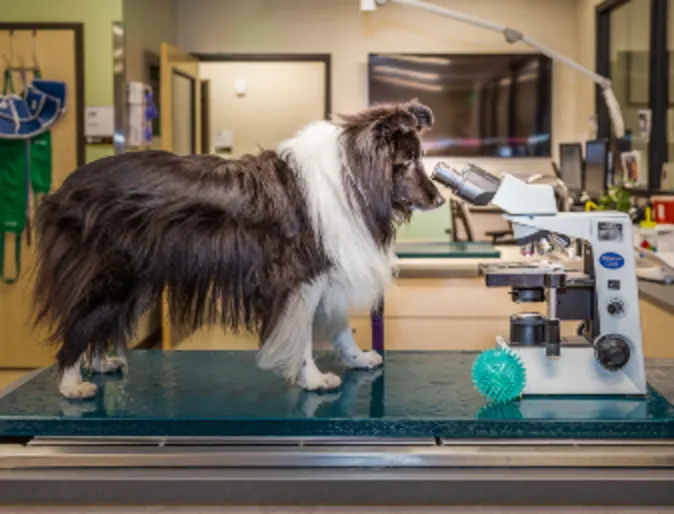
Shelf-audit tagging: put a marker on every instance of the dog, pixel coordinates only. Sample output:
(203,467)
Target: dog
(282,243)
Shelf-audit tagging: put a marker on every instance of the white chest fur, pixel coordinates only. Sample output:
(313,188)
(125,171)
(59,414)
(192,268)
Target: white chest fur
(361,269)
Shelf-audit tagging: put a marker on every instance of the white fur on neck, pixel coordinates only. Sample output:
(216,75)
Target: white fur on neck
(362,269)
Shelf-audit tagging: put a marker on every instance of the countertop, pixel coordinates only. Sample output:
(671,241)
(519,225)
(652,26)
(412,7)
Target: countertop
(415,394)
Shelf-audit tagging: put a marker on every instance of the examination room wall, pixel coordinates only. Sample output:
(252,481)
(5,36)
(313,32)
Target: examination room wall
(97,17)
(340,29)
(147,24)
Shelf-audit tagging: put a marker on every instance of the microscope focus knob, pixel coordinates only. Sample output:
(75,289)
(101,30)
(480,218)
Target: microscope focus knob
(615,308)
(612,351)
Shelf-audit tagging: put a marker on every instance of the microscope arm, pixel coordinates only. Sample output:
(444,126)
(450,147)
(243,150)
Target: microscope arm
(479,187)
(513,36)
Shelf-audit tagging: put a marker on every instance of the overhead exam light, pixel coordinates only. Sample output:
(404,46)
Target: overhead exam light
(514,36)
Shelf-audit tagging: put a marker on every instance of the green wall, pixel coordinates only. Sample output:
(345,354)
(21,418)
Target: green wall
(97,16)
(427,226)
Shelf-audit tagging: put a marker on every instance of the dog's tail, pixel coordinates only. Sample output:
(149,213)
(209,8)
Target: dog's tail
(64,273)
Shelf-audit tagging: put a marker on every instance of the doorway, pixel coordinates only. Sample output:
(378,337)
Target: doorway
(232,105)
(257,101)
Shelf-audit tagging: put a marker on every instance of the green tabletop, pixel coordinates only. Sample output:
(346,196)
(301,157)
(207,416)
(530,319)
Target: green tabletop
(446,250)
(222,393)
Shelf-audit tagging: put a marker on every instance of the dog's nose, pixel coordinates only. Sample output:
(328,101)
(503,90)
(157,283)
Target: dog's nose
(439,200)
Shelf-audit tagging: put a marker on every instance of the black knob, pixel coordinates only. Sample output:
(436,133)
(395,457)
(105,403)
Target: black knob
(612,352)
(615,308)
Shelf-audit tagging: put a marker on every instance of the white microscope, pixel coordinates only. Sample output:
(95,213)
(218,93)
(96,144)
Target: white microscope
(605,356)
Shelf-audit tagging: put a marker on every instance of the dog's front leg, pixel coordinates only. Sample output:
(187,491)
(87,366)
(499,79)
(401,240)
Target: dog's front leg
(334,323)
(311,378)
(351,355)
(289,347)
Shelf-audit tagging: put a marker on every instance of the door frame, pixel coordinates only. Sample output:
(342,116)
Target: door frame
(205,88)
(326,59)
(78,30)
(194,84)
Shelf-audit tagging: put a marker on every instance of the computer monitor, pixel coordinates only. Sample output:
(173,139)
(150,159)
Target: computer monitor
(571,166)
(597,162)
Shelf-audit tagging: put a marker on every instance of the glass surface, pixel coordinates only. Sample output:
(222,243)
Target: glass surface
(630,61)
(484,105)
(596,167)
(221,393)
(571,166)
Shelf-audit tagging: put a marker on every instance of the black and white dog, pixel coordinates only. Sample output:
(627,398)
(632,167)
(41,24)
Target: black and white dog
(282,243)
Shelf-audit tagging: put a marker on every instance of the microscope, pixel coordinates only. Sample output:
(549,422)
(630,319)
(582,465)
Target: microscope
(605,355)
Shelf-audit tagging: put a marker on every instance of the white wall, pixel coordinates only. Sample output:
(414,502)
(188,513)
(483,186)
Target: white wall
(270,110)
(339,28)
(585,90)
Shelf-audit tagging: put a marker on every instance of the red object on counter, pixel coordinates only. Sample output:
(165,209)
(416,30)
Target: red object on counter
(663,209)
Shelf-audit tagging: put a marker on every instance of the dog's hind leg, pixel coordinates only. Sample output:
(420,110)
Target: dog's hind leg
(72,386)
(106,317)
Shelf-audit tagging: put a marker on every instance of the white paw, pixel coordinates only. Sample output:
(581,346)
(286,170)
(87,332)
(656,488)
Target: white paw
(109,364)
(78,391)
(317,381)
(362,360)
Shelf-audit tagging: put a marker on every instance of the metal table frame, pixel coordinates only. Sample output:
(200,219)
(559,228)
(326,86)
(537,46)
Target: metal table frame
(268,471)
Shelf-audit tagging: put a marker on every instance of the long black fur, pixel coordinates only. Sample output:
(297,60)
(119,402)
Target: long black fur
(229,240)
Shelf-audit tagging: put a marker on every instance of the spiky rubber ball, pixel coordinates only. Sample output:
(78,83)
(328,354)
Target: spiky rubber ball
(499,375)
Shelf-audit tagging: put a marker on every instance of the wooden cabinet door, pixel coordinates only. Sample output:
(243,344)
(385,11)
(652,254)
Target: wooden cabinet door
(21,346)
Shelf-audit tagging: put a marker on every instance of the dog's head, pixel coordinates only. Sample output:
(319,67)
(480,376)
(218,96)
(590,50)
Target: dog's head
(382,146)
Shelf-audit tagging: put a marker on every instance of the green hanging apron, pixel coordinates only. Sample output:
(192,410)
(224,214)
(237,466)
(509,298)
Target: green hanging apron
(40,161)
(13,201)
(14,191)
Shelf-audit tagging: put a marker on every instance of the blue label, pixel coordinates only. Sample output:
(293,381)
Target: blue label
(611,260)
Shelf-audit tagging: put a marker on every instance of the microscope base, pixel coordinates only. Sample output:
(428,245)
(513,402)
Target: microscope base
(575,372)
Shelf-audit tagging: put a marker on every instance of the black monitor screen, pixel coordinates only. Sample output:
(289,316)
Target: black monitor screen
(596,167)
(484,105)
(571,166)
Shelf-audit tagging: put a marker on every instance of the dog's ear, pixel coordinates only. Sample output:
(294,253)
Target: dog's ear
(422,113)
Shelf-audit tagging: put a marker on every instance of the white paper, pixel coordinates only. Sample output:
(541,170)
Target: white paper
(100,122)
(223,139)
(645,124)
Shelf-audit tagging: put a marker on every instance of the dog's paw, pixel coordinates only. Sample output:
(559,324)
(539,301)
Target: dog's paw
(109,364)
(317,381)
(78,391)
(362,360)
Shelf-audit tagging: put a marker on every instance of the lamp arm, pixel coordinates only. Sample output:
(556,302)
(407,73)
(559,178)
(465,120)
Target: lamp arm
(513,36)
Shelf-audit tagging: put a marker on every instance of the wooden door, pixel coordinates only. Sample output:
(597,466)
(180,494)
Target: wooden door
(180,118)
(21,346)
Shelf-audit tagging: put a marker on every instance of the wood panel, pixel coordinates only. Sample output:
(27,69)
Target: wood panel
(20,344)
(657,326)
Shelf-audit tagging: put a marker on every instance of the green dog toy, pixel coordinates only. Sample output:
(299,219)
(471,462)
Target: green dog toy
(499,375)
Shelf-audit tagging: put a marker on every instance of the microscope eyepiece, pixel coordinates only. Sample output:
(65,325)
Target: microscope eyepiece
(472,184)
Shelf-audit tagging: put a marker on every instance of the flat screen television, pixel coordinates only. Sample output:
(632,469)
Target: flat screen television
(484,105)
